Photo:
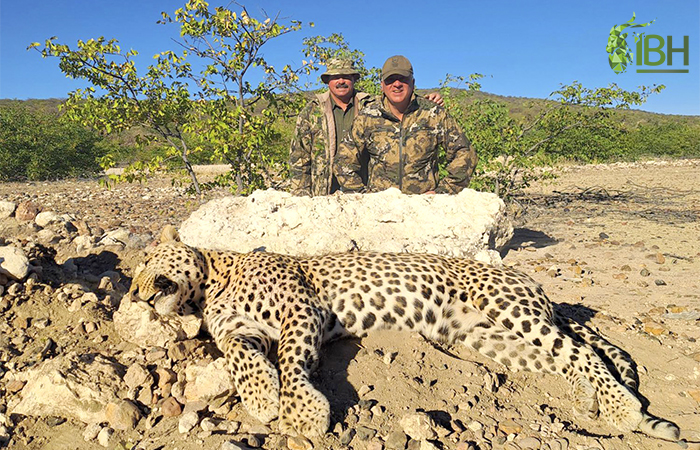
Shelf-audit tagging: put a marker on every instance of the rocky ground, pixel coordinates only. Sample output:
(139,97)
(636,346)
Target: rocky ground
(616,245)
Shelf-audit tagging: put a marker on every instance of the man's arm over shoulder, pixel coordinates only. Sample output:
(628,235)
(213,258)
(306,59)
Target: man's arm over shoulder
(460,156)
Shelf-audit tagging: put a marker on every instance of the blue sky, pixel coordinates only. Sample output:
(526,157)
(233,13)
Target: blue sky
(524,49)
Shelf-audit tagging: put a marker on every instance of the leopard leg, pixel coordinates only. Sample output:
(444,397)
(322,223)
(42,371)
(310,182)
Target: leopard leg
(618,361)
(245,345)
(303,409)
(516,353)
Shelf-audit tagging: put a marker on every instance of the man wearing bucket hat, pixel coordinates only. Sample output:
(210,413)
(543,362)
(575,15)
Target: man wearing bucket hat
(322,125)
(401,136)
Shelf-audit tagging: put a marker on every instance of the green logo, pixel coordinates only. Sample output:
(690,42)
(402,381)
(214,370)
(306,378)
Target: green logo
(619,53)
(649,50)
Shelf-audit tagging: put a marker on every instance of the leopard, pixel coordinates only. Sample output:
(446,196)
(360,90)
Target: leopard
(252,303)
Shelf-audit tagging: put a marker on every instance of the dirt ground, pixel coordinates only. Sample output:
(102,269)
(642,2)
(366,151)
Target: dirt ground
(616,246)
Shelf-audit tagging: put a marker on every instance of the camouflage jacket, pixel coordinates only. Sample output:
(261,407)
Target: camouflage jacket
(404,153)
(312,154)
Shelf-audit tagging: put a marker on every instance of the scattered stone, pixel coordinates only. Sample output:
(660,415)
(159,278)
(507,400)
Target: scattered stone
(232,445)
(170,407)
(27,211)
(364,390)
(6,209)
(365,433)
(396,440)
(14,386)
(45,218)
(187,422)
(91,432)
(660,282)
(644,272)
(138,323)
(695,394)
(427,445)
(210,383)
(418,426)
(208,424)
(122,415)
(13,262)
(104,436)
(54,421)
(299,443)
(529,443)
(347,436)
(510,427)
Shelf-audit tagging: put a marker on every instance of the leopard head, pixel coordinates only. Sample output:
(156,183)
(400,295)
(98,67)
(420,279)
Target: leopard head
(171,277)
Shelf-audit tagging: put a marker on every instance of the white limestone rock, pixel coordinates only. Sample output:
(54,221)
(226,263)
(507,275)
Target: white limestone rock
(73,386)
(138,323)
(470,224)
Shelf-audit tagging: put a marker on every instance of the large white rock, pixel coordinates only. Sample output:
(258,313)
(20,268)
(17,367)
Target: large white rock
(73,386)
(470,224)
(13,262)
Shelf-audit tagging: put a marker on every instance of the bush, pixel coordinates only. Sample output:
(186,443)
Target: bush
(36,145)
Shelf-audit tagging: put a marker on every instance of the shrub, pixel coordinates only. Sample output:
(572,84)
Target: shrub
(37,145)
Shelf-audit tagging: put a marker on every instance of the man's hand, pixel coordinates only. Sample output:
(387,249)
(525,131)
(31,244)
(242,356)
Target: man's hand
(436,98)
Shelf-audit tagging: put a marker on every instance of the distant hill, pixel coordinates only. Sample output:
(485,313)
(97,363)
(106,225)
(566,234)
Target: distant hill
(519,107)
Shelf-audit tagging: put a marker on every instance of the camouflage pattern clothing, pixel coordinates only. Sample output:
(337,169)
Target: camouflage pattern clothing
(404,153)
(313,150)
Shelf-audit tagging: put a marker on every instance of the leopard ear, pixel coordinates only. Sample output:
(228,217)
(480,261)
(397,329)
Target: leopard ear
(169,234)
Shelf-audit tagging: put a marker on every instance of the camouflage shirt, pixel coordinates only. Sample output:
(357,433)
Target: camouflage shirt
(404,153)
(313,150)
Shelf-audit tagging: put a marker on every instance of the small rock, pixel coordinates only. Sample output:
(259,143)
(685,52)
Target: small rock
(695,394)
(529,443)
(170,407)
(27,211)
(644,272)
(208,424)
(104,436)
(15,386)
(299,443)
(91,432)
(510,427)
(187,422)
(364,390)
(13,262)
(45,218)
(232,445)
(6,209)
(419,426)
(660,282)
(136,375)
(347,436)
(396,440)
(427,445)
(365,433)
(122,415)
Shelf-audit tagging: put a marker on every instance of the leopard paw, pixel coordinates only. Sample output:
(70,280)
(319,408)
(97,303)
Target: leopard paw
(304,411)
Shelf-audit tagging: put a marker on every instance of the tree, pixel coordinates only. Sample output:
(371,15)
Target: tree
(324,48)
(182,108)
(566,126)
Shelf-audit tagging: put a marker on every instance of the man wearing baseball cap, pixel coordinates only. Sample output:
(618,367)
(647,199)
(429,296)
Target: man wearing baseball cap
(401,136)
(321,126)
